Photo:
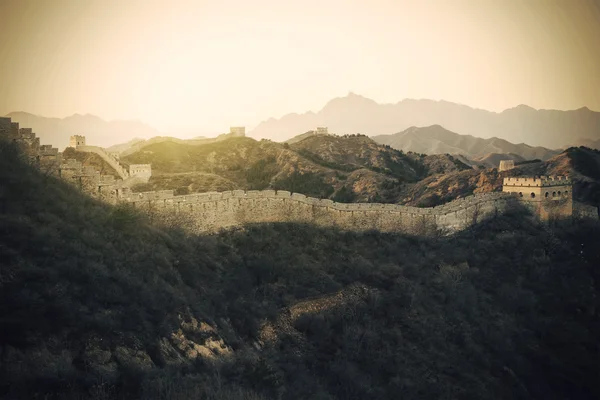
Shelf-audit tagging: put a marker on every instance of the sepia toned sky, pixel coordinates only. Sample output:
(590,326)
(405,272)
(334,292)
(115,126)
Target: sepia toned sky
(195,65)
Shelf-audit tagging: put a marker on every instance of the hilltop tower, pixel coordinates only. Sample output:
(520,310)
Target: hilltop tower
(322,130)
(550,196)
(141,171)
(505,165)
(237,131)
(76,140)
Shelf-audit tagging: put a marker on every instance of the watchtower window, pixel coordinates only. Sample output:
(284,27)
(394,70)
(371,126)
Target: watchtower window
(520,194)
(559,193)
(532,195)
(566,192)
(546,194)
(553,194)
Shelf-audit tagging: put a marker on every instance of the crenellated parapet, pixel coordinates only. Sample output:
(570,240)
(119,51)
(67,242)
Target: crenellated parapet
(453,206)
(537,181)
(215,210)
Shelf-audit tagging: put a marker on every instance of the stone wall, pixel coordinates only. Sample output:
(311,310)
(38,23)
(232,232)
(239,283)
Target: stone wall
(585,211)
(209,212)
(106,156)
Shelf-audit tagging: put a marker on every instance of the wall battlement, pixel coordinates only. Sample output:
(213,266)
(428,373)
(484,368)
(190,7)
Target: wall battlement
(106,156)
(215,210)
(539,181)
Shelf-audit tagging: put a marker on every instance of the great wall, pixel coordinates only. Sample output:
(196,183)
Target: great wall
(210,212)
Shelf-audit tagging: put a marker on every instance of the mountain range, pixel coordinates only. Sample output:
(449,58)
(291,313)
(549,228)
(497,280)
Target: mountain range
(56,131)
(353,113)
(522,124)
(437,140)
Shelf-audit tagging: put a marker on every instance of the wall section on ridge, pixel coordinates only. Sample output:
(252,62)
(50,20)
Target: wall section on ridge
(210,212)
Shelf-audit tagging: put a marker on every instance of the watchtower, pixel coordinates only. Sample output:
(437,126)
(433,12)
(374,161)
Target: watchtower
(237,131)
(505,165)
(550,196)
(76,140)
(322,130)
(142,171)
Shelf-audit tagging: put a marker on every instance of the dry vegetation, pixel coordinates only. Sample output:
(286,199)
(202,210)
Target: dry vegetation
(96,302)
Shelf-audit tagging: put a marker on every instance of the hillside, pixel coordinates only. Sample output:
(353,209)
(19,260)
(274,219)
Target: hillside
(302,136)
(348,169)
(443,188)
(435,140)
(354,113)
(580,163)
(136,145)
(353,152)
(98,303)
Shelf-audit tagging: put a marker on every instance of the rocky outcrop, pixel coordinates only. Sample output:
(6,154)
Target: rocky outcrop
(343,300)
(193,339)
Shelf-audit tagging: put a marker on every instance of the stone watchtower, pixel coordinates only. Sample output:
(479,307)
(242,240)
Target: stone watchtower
(550,196)
(237,131)
(505,165)
(142,172)
(76,140)
(322,130)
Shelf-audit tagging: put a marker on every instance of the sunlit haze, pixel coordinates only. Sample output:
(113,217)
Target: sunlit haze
(202,66)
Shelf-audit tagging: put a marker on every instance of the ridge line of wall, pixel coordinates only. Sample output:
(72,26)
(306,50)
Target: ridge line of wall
(163,196)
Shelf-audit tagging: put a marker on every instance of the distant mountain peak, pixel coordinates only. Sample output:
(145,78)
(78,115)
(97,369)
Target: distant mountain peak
(56,131)
(20,113)
(521,107)
(436,139)
(355,113)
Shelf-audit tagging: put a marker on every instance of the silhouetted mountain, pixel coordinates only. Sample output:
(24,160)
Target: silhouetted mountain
(97,131)
(354,113)
(435,140)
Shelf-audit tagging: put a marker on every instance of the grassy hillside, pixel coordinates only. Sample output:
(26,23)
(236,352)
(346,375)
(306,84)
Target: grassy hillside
(96,302)
(580,163)
(341,168)
(352,152)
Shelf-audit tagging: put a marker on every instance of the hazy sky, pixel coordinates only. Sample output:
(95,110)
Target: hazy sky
(205,65)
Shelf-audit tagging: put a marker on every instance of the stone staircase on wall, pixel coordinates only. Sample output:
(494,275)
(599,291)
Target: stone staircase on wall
(110,159)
